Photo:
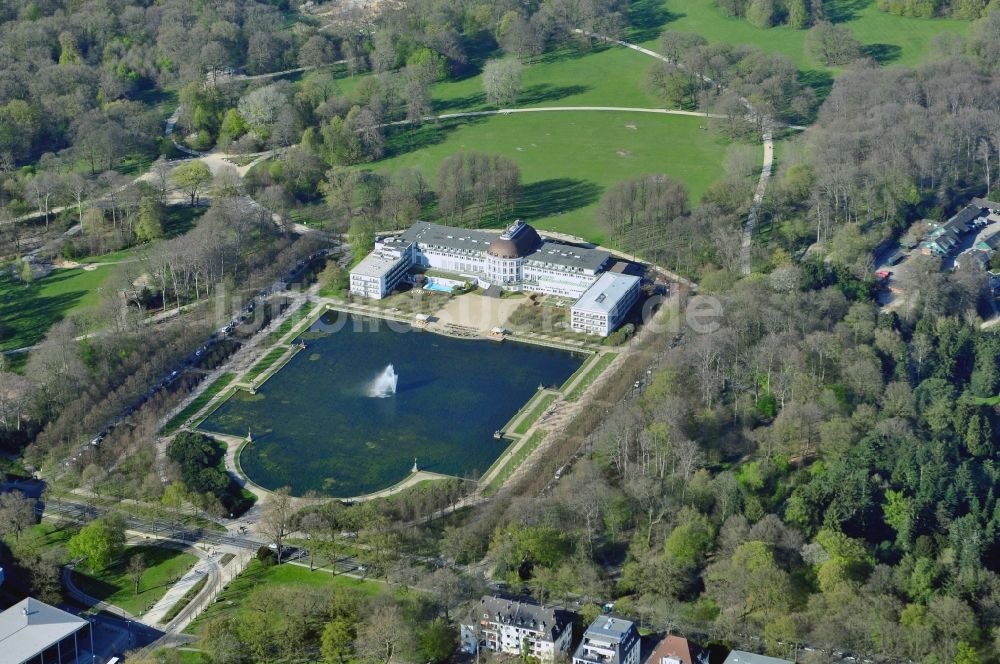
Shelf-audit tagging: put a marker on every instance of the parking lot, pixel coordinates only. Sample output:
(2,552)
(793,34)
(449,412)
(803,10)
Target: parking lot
(905,275)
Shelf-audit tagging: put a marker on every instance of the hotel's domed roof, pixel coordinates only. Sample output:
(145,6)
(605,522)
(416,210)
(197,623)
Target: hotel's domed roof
(518,241)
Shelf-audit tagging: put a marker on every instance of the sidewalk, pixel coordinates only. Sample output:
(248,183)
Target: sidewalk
(201,570)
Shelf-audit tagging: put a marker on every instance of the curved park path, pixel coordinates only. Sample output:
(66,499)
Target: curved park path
(548,109)
(767,138)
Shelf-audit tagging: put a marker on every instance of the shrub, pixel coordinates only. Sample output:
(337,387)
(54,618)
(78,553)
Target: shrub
(266,556)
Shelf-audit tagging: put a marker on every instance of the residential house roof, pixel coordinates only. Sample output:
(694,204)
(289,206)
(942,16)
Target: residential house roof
(546,620)
(989,243)
(610,627)
(608,640)
(960,220)
(671,650)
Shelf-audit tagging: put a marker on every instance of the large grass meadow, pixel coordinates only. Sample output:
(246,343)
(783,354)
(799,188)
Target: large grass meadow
(613,76)
(29,310)
(887,38)
(568,159)
(569,76)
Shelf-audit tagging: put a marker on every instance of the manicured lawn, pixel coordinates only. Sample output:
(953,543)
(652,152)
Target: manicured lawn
(596,369)
(286,575)
(511,464)
(47,535)
(290,322)
(265,363)
(535,413)
(113,585)
(568,159)
(113,257)
(28,311)
(888,38)
(159,101)
(199,402)
(604,76)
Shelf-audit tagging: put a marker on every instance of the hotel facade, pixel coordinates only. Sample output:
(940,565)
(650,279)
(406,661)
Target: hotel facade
(518,259)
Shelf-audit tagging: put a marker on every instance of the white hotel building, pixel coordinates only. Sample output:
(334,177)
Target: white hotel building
(517,259)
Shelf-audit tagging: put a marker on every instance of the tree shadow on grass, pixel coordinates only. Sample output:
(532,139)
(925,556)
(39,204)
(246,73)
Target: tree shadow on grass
(536,94)
(476,100)
(821,81)
(840,11)
(404,139)
(570,53)
(543,92)
(647,19)
(882,53)
(477,51)
(555,196)
(28,315)
(180,219)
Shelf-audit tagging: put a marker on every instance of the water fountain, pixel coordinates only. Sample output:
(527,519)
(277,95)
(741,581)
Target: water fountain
(384,384)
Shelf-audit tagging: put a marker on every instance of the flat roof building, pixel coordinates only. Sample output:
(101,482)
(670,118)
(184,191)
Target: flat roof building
(741,657)
(603,307)
(380,272)
(32,632)
(609,640)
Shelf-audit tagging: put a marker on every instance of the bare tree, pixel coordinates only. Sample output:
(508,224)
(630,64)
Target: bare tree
(381,635)
(17,513)
(276,519)
(43,188)
(75,190)
(136,568)
(314,526)
(502,81)
(160,170)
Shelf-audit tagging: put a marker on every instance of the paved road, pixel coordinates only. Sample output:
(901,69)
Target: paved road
(160,528)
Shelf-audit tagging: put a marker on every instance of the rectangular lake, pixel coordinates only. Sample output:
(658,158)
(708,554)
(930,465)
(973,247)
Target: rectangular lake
(316,427)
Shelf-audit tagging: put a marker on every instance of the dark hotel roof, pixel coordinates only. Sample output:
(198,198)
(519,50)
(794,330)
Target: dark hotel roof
(517,241)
